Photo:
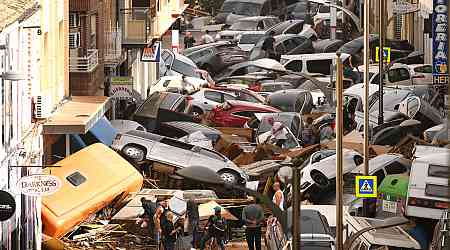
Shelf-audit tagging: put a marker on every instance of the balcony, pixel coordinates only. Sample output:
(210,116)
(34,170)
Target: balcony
(84,64)
(113,54)
(135,23)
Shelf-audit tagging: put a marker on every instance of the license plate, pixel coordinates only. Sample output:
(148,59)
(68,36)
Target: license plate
(390,206)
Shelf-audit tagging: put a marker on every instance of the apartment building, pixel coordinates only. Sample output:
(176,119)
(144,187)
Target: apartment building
(33,81)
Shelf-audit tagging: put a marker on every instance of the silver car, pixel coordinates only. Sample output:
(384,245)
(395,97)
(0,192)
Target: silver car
(139,146)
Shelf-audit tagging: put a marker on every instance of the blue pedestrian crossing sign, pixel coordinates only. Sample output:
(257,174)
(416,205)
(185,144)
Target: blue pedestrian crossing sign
(366,186)
(386,54)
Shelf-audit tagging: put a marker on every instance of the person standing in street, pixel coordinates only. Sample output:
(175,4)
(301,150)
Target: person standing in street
(215,228)
(193,216)
(207,38)
(253,216)
(278,197)
(189,40)
(268,45)
(158,219)
(170,229)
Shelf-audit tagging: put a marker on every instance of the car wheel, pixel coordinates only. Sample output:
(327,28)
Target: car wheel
(320,179)
(229,177)
(197,111)
(134,152)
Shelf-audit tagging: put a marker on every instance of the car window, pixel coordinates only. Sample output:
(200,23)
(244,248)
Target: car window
(380,175)
(181,105)
(280,49)
(260,25)
(228,97)
(395,168)
(424,69)
(167,57)
(289,44)
(295,29)
(244,113)
(437,190)
(319,66)
(397,75)
(300,102)
(412,106)
(185,69)
(176,143)
(438,171)
(213,96)
(295,65)
(242,96)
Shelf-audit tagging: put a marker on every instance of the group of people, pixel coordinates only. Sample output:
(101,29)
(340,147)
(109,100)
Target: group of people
(189,40)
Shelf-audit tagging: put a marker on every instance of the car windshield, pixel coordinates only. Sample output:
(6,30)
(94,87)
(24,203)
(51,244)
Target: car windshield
(241,8)
(250,38)
(390,100)
(264,126)
(185,69)
(244,25)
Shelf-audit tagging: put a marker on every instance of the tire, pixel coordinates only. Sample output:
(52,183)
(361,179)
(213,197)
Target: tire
(197,111)
(320,179)
(133,152)
(229,177)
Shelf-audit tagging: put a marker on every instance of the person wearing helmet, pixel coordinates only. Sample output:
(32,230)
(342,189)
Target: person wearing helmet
(215,227)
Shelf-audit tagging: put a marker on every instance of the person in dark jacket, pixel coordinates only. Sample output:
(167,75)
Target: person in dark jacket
(170,231)
(268,45)
(189,40)
(215,227)
(193,216)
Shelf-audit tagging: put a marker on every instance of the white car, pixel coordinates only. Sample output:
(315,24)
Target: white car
(401,74)
(206,99)
(248,39)
(321,168)
(179,83)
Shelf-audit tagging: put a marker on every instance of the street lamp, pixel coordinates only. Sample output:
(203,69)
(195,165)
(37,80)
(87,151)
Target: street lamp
(390,222)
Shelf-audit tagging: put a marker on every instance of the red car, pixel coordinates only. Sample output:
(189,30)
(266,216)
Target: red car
(237,113)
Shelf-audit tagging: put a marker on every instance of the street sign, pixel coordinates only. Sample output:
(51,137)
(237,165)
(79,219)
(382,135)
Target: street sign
(440,42)
(386,54)
(366,186)
(403,7)
(151,53)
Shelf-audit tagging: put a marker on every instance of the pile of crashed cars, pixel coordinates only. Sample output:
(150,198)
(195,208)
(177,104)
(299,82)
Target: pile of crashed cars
(216,105)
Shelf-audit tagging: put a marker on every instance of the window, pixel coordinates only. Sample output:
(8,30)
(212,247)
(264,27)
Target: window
(74,40)
(289,44)
(175,143)
(395,168)
(424,69)
(76,179)
(437,190)
(248,114)
(397,75)
(295,65)
(280,49)
(439,171)
(74,20)
(413,106)
(246,97)
(228,97)
(319,66)
(213,96)
(380,175)
(295,29)
(300,102)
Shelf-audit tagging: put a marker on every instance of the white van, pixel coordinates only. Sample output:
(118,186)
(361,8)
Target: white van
(428,189)
(319,63)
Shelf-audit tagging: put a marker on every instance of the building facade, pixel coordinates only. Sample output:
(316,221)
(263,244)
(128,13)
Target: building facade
(34,79)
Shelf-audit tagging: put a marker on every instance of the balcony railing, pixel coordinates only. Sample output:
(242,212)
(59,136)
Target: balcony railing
(113,54)
(84,64)
(135,25)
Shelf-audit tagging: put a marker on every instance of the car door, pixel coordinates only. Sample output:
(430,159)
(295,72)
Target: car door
(172,152)
(211,100)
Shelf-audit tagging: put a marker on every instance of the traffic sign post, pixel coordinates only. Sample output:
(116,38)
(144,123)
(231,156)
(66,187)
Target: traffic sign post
(366,186)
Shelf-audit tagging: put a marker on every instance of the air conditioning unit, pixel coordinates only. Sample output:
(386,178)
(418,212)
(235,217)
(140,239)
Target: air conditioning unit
(43,107)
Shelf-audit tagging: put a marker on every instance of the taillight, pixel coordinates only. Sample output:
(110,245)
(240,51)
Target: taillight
(428,203)
(333,125)
(443,205)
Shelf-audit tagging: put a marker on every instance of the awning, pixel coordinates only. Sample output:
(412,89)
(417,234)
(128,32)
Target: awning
(77,116)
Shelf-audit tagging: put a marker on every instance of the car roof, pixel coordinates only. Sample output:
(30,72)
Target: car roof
(251,105)
(255,18)
(315,56)
(358,89)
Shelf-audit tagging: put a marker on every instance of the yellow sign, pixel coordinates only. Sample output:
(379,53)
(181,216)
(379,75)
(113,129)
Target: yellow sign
(386,54)
(366,186)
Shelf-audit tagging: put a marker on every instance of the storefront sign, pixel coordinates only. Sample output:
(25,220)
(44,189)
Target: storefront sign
(38,185)
(7,205)
(440,42)
(402,7)
(151,53)
(121,87)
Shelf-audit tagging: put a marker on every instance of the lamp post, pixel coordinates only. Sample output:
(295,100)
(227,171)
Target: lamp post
(339,162)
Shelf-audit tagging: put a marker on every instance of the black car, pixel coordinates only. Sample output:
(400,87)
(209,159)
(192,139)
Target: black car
(284,45)
(217,57)
(292,100)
